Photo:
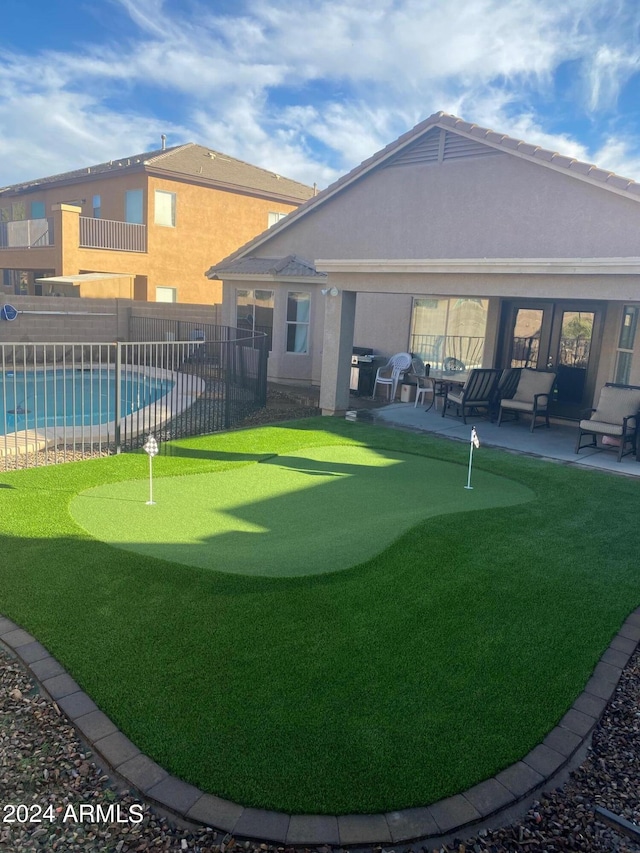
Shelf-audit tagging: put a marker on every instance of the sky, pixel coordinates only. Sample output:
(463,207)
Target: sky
(311,88)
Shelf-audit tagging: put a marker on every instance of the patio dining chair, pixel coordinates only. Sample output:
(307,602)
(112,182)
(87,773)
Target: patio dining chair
(391,372)
(532,395)
(614,420)
(478,392)
(425,384)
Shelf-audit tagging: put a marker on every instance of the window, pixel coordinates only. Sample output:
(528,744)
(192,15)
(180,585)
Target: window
(625,343)
(133,211)
(18,211)
(298,322)
(254,312)
(165,213)
(275,217)
(166,294)
(96,206)
(448,331)
(37,210)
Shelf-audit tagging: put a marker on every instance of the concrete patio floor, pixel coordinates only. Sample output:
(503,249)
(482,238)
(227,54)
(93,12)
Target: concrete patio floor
(557,442)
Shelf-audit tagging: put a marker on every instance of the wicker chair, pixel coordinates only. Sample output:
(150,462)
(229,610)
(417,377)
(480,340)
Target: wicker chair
(615,420)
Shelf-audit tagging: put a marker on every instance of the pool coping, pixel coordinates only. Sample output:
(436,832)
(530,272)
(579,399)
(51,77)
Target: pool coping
(460,812)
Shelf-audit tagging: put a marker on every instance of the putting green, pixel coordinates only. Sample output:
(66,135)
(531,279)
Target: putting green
(318,510)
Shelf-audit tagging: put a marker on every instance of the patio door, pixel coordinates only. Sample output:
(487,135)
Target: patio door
(560,336)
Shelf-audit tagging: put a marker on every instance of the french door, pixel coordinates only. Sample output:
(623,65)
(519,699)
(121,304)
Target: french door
(560,336)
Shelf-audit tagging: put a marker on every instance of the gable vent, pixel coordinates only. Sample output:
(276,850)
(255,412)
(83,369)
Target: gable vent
(439,145)
(456,147)
(425,150)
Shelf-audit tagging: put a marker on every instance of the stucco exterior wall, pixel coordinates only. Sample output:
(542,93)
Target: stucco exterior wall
(499,206)
(210,224)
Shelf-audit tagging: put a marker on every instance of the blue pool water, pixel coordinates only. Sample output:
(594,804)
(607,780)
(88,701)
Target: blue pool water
(72,397)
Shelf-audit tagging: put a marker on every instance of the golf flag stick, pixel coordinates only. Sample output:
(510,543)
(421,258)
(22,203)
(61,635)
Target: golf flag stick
(473,443)
(151,449)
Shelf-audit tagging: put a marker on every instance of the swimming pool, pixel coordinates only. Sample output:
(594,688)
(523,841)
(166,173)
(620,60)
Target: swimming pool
(72,398)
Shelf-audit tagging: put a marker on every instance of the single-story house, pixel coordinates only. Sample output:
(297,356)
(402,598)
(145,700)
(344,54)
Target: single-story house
(452,242)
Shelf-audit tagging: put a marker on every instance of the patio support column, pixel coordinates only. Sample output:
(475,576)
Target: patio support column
(339,316)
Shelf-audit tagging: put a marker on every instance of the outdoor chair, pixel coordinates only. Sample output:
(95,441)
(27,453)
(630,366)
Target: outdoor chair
(614,420)
(478,392)
(424,383)
(532,395)
(391,373)
(506,388)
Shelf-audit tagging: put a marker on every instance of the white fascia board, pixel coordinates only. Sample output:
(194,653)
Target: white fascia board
(524,266)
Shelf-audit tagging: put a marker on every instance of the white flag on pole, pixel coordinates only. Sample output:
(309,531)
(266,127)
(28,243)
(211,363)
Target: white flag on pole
(474,437)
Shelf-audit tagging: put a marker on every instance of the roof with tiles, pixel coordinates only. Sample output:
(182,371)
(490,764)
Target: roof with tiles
(497,141)
(290,266)
(187,161)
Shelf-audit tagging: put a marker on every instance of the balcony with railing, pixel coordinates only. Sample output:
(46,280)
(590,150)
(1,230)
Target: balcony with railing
(110,234)
(26,234)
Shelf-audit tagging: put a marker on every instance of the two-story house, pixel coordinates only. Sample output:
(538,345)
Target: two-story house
(143,227)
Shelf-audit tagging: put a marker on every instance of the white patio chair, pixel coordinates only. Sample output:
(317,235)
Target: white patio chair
(390,373)
(424,383)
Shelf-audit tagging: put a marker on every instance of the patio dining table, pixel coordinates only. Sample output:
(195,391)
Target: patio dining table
(443,380)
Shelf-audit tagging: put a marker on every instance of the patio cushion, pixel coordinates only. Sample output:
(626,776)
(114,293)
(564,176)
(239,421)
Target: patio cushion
(601,427)
(532,382)
(520,405)
(615,404)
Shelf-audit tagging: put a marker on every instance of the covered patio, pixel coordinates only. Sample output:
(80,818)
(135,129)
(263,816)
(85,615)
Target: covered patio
(557,443)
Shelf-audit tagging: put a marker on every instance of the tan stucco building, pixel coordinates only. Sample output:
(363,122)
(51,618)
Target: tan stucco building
(156,217)
(453,242)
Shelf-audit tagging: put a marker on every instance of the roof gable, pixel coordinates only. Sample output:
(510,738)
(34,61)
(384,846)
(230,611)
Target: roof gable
(446,137)
(439,145)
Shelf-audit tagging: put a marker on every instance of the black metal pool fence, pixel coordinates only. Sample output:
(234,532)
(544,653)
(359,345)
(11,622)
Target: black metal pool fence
(173,379)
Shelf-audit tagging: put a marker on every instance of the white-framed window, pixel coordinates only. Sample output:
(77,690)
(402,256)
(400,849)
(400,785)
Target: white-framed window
(449,332)
(254,312)
(133,207)
(96,207)
(298,305)
(166,294)
(275,217)
(165,208)
(626,341)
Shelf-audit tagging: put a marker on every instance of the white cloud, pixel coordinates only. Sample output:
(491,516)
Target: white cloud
(310,88)
(619,155)
(610,69)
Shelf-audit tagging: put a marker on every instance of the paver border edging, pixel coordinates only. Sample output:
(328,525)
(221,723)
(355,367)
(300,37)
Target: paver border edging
(484,800)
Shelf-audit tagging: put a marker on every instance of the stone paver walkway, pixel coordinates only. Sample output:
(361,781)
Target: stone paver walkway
(489,798)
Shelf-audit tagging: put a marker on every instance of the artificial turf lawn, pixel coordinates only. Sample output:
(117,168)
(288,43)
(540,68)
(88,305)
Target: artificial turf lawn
(390,684)
(316,510)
